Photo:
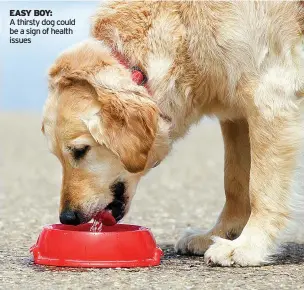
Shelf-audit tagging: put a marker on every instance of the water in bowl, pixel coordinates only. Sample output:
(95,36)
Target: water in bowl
(96,226)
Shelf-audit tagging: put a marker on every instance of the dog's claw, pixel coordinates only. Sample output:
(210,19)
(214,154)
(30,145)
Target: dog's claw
(209,262)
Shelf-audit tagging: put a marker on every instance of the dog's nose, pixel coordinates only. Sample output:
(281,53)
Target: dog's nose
(70,217)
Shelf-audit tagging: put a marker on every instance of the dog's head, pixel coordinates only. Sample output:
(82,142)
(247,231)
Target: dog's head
(105,130)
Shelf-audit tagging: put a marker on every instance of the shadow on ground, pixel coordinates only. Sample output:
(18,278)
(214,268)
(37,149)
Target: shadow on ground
(292,253)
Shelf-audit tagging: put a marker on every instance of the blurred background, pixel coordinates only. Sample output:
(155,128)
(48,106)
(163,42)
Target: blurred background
(24,66)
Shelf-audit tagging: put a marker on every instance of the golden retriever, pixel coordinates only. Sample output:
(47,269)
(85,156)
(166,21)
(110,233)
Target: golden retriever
(241,61)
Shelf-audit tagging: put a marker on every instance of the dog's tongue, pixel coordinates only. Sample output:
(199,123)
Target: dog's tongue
(106,218)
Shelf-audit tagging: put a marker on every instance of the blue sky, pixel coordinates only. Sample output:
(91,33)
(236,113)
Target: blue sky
(24,66)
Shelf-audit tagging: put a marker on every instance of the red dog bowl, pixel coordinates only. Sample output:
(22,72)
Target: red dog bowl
(115,246)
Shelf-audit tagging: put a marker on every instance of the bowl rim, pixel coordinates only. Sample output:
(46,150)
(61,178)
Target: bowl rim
(137,229)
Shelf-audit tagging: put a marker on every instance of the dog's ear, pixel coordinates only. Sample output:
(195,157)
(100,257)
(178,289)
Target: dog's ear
(127,126)
(80,62)
(126,119)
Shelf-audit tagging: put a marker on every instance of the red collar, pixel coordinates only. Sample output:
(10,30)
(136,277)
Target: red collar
(138,76)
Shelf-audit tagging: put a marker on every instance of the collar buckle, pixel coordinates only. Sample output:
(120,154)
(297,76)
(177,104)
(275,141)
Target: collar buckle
(138,76)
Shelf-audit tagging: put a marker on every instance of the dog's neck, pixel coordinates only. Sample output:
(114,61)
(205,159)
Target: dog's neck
(174,77)
(139,77)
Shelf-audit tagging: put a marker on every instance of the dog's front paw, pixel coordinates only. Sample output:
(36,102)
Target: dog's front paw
(238,252)
(193,242)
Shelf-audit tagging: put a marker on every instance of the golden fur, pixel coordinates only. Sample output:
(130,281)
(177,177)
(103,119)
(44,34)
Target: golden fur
(239,61)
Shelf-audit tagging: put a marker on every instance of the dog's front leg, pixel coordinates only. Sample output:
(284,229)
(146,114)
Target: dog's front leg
(236,210)
(274,131)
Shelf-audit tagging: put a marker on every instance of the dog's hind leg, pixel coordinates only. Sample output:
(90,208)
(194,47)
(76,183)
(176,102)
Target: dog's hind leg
(237,207)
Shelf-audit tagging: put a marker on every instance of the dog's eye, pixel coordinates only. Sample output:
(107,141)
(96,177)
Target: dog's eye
(79,153)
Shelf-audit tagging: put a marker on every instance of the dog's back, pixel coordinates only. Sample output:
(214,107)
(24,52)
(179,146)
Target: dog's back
(207,48)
